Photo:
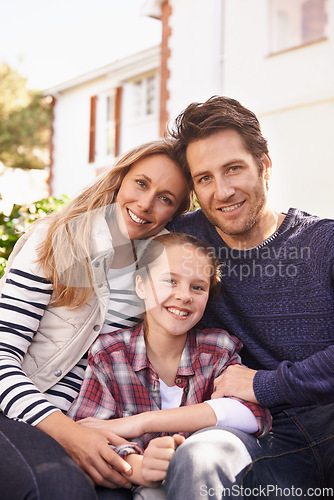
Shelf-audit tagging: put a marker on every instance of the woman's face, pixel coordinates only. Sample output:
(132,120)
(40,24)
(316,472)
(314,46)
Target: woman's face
(149,196)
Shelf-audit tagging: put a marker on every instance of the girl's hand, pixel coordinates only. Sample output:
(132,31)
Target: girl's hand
(157,456)
(126,427)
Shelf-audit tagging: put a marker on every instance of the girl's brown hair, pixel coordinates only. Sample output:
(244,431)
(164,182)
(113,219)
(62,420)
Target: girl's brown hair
(155,248)
(68,237)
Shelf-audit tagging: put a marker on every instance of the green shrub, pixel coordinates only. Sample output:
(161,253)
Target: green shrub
(13,225)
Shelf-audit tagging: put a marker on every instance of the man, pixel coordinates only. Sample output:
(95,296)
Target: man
(277,296)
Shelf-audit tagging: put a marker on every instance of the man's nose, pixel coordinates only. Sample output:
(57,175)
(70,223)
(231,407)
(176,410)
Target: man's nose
(223,190)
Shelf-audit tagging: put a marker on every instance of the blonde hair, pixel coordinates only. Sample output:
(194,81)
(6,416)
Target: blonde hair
(68,240)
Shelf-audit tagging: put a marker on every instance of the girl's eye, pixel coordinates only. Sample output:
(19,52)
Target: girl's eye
(141,183)
(169,281)
(198,288)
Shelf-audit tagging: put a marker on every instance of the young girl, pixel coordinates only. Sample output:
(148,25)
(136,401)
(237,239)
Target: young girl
(165,362)
(69,279)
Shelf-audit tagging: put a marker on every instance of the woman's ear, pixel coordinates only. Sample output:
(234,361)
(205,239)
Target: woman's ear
(140,287)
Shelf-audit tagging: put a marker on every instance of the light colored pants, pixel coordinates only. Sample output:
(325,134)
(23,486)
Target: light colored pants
(143,493)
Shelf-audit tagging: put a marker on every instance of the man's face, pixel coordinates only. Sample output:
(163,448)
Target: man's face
(230,187)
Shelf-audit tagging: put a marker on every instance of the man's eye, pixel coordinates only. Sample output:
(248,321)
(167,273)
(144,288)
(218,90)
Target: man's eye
(234,168)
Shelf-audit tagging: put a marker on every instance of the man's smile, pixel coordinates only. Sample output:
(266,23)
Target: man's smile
(230,208)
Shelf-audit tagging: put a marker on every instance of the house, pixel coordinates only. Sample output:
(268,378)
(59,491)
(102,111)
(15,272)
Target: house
(100,114)
(275,56)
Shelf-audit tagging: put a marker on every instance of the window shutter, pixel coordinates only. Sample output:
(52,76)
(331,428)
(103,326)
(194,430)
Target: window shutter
(118,107)
(92,129)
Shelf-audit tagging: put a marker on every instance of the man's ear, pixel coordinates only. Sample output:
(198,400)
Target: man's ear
(140,287)
(267,167)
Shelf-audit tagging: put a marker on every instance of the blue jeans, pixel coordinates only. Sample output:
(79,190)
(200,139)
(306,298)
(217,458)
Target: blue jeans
(33,466)
(295,459)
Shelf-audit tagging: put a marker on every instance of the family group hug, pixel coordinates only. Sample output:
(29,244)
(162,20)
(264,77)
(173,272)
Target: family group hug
(152,351)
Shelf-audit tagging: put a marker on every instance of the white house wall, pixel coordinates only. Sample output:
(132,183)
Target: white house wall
(195,43)
(292,93)
(222,47)
(71,169)
(138,131)
(71,133)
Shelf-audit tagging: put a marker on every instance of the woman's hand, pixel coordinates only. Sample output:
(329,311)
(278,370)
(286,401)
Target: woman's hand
(157,456)
(90,449)
(126,427)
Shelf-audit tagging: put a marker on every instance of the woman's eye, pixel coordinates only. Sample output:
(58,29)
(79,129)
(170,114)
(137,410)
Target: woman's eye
(166,200)
(141,183)
(203,179)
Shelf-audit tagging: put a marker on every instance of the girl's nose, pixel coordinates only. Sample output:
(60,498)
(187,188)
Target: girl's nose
(183,293)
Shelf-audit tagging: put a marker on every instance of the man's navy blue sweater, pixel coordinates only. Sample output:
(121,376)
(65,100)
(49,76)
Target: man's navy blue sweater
(278,299)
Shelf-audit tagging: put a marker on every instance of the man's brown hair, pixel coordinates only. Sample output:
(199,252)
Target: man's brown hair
(201,120)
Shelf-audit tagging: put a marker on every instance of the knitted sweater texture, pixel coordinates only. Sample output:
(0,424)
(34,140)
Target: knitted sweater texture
(278,299)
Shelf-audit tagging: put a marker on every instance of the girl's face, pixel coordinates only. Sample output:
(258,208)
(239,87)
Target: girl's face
(149,196)
(176,291)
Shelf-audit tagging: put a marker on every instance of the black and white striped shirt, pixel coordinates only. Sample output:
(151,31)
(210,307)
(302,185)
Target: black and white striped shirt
(25,296)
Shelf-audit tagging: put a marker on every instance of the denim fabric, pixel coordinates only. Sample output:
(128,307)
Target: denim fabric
(33,466)
(218,463)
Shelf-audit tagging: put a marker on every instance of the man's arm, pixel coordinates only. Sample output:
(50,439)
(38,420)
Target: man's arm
(300,383)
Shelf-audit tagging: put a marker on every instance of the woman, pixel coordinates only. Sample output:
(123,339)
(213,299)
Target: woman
(67,281)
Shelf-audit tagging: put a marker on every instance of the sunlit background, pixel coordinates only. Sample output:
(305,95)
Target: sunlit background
(51,41)
(118,71)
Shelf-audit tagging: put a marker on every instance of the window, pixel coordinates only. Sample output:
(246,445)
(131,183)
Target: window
(144,96)
(296,22)
(107,114)
(110,125)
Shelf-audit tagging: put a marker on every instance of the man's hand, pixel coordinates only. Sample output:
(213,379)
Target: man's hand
(157,456)
(237,381)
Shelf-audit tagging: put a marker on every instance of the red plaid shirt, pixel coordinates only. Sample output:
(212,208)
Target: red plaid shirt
(120,380)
